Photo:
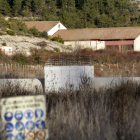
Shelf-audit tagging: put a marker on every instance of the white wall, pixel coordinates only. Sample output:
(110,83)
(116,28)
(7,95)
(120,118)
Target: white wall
(60,77)
(95,45)
(56,28)
(5,49)
(137,44)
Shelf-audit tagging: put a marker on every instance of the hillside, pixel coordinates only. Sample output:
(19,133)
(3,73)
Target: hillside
(76,13)
(25,44)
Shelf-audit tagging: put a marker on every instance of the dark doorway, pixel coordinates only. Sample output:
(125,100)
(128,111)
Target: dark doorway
(112,47)
(126,48)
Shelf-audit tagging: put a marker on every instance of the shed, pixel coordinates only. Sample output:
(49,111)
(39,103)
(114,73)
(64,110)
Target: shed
(50,27)
(6,50)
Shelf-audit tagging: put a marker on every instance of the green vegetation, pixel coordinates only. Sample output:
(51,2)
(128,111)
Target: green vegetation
(20,58)
(34,31)
(9,32)
(58,39)
(76,13)
(4,44)
(57,49)
(44,34)
(15,27)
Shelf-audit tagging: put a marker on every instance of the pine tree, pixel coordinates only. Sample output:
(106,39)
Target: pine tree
(65,18)
(49,12)
(16,7)
(37,6)
(26,7)
(3,22)
(85,11)
(68,13)
(4,7)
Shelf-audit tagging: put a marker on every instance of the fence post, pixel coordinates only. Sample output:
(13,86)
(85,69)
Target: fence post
(133,66)
(18,66)
(6,68)
(101,68)
(23,69)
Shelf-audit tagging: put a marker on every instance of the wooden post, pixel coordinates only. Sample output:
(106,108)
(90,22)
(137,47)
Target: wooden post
(18,66)
(23,69)
(6,68)
(133,66)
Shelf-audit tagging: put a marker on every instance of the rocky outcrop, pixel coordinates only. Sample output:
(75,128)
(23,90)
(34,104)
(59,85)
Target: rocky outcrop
(25,44)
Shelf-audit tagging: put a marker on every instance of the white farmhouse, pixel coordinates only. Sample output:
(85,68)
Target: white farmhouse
(6,50)
(50,27)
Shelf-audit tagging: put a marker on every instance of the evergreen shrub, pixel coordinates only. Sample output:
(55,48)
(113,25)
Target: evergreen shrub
(28,35)
(58,39)
(4,44)
(10,32)
(44,34)
(35,32)
(20,58)
(57,49)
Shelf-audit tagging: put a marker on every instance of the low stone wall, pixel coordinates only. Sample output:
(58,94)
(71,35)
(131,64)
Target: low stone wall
(27,84)
(110,82)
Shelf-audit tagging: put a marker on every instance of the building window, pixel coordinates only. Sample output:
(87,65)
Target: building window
(9,50)
(59,26)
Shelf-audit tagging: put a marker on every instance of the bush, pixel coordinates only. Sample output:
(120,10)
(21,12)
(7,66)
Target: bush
(20,33)
(44,34)
(35,32)
(57,49)
(20,58)
(28,35)
(10,32)
(2,33)
(42,44)
(58,39)
(4,44)
(36,56)
(3,22)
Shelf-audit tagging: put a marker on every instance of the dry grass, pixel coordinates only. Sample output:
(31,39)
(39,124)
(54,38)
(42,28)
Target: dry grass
(90,115)
(85,114)
(21,71)
(117,70)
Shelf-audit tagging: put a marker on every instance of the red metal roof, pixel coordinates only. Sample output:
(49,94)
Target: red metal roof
(118,33)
